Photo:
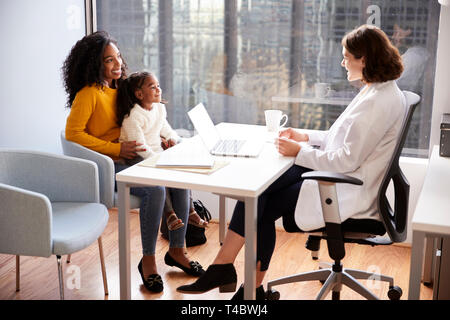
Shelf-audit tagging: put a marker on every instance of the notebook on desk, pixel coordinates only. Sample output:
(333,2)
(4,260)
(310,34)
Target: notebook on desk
(215,144)
(185,156)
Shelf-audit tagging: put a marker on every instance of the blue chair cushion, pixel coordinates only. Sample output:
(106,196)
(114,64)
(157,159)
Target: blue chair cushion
(76,225)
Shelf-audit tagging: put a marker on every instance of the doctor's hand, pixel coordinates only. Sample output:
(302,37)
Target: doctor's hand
(293,134)
(287,147)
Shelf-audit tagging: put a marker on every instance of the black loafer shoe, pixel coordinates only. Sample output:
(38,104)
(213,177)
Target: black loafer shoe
(239,295)
(195,269)
(153,283)
(218,275)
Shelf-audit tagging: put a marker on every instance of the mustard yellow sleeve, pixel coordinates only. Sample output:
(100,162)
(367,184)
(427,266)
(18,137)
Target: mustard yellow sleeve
(81,112)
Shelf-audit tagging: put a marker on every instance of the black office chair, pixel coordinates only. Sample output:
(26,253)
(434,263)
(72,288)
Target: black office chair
(366,232)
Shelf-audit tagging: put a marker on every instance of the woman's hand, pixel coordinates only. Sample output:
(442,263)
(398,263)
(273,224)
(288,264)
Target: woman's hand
(287,147)
(293,134)
(129,149)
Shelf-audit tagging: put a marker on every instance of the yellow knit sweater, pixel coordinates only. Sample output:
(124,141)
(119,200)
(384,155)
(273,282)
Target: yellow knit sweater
(92,120)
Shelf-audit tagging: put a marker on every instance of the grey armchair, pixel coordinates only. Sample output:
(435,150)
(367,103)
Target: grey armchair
(108,195)
(105,165)
(49,206)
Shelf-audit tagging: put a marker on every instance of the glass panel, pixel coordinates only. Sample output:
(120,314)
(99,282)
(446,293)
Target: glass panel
(240,57)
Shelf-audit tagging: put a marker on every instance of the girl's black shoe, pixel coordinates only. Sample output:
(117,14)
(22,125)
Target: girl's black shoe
(153,283)
(239,295)
(195,270)
(217,275)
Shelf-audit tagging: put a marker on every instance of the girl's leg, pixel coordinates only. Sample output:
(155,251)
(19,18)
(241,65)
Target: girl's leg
(132,162)
(180,203)
(173,222)
(191,202)
(168,203)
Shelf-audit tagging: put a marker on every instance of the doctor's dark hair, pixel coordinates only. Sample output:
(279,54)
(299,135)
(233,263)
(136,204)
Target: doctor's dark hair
(126,97)
(84,64)
(382,59)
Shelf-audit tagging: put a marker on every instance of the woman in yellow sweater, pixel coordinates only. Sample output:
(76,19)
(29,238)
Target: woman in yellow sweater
(91,73)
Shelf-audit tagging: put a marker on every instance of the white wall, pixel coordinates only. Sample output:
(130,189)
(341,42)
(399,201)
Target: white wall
(36,36)
(441,99)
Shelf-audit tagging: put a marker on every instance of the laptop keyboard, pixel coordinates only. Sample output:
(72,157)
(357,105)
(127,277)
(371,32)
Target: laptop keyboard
(228,146)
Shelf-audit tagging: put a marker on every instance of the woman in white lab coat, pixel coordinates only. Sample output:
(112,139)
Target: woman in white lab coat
(360,143)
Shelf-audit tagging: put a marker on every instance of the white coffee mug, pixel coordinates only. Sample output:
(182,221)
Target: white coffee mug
(273,119)
(321,89)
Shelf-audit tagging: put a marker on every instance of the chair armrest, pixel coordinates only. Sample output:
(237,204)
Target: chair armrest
(331,177)
(327,191)
(105,168)
(25,222)
(60,178)
(330,208)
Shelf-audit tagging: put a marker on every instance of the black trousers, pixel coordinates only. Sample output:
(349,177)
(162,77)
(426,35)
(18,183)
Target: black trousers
(278,200)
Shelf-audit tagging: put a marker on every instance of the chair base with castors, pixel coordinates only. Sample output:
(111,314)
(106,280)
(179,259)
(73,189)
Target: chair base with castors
(333,278)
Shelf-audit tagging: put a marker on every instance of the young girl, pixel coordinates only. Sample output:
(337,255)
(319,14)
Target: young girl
(142,118)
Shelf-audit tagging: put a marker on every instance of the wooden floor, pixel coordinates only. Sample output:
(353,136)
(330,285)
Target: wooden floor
(39,277)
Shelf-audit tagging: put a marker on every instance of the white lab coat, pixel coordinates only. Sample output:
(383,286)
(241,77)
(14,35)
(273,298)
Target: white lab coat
(360,144)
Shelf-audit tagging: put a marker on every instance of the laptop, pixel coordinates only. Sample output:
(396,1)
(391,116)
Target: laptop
(214,143)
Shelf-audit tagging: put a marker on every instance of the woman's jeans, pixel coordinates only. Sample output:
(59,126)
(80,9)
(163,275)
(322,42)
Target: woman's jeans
(278,200)
(151,209)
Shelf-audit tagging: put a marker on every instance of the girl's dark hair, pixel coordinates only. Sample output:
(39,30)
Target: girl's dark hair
(126,98)
(84,64)
(382,59)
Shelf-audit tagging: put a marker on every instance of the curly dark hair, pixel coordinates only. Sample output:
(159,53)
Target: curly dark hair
(126,99)
(382,59)
(84,64)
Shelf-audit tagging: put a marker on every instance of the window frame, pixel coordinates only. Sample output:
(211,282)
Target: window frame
(440,95)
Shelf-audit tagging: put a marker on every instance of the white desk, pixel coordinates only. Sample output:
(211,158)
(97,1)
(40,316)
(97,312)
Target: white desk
(431,217)
(243,178)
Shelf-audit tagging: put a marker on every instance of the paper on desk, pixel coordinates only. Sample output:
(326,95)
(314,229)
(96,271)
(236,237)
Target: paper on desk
(186,155)
(151,162)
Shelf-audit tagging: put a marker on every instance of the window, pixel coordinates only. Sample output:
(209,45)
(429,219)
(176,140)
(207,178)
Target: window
(240,57)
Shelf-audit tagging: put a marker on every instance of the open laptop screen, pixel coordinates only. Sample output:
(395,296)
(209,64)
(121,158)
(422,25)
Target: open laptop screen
(204,125)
